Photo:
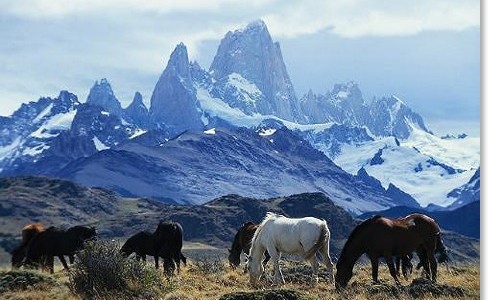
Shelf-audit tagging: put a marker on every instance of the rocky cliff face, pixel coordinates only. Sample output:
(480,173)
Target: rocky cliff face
(137,112)
(252,76)
(101,94)
(173,103)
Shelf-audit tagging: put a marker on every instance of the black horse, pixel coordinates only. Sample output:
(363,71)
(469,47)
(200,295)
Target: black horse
(169,241)
(57,242)
(145,243)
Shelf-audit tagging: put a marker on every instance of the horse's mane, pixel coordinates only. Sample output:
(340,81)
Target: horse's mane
(359,228)
(269,216)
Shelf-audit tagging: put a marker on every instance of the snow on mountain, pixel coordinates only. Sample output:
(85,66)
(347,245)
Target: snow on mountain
(391,116)
(32,128)
(43,136)
(387,116)
(420,174)
(459,153)
(467,193)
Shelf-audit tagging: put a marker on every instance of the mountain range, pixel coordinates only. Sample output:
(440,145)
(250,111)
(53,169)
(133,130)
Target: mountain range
(240,128)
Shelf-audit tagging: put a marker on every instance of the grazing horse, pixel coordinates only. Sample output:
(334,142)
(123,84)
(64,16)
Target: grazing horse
(169,241)
(28,232)
(242,243)
(145,243)
(383,237)
(57,242)
(308,237)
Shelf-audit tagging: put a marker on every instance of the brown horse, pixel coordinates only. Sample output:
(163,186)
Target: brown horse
(242,243)
(383,237)
(28,232)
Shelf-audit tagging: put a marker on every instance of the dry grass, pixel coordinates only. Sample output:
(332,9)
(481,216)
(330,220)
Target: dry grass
(198,281)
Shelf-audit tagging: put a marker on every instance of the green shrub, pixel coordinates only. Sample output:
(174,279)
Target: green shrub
(101,272)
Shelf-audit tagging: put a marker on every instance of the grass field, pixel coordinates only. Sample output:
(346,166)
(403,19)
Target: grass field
(208,276)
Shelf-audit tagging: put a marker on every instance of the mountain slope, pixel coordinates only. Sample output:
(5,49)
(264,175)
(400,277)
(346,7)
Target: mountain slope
(464,220)
(467,193)
(424,166)
(198,166)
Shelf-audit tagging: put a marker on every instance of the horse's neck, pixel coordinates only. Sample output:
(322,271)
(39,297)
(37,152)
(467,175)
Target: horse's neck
(352,251)
(236,245)
(257,250)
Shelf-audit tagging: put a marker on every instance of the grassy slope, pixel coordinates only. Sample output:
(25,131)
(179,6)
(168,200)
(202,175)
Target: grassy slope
(197,282)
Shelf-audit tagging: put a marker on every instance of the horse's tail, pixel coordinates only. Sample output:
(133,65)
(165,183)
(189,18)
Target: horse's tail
(183,258)
(441,249)
(324,232)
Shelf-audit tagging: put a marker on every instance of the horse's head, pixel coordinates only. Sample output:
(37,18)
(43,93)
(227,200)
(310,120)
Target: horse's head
(256,269)
(343,275)
(234,259)
(18,255)
(126,250)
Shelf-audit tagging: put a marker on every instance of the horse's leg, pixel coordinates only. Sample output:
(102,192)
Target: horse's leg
(397,264)
(315,269)
(324,251)
(432,262)
(63,261)
(275,256)
(71,259)
(177,260)
(391,267)
(156,261)
(374,268)
(50,263)
(406,266)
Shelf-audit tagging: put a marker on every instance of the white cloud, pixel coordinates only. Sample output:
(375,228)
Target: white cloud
(59,44)
(347,18)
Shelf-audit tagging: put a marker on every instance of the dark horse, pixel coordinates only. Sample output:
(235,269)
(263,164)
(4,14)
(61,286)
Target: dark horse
(57,242)
(382,237)
(242,243)
(169,241)
(28,232)
(145,243)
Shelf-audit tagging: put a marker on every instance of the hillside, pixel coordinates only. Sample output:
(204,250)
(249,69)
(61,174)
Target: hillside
(464,220)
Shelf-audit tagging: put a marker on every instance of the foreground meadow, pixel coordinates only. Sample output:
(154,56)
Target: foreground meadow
(211,278)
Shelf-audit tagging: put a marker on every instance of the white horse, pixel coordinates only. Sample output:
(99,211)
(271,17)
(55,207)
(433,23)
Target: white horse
(308,237)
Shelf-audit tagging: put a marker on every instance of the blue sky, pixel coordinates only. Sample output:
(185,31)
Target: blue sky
(427,54)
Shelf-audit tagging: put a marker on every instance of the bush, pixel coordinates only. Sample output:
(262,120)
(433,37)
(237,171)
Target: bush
(101,272)
(23,280)
(209,266)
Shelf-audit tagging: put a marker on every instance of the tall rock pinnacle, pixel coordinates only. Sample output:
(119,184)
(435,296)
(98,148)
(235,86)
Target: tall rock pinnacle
(250,57)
